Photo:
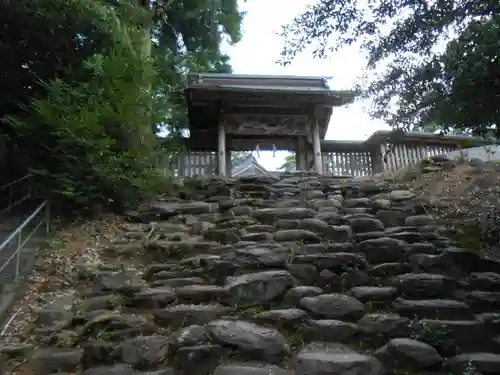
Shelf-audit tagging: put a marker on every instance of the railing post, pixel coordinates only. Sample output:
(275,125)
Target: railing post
(377,159)
(47,219)
(18,255)
(10,199)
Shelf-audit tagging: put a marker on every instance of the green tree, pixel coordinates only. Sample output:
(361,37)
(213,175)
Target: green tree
(289,165)
(438,60)
(187,36)
(38,42)
(95,140)
(86,83)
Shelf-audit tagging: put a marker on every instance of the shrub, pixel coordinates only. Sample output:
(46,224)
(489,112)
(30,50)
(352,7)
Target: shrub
(92,141)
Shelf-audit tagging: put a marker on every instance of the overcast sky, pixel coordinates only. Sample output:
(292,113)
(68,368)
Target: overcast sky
(260,47)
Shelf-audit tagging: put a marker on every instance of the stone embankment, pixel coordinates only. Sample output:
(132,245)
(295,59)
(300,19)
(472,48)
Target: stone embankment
(304,276)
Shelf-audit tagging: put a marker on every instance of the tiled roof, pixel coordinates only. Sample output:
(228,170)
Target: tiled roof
(248,165)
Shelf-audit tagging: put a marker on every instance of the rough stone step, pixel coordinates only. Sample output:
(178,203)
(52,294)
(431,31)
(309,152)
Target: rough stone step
(304,276)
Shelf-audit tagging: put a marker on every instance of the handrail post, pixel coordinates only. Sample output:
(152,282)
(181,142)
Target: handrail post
(47,219)
(18,255)
(10,199)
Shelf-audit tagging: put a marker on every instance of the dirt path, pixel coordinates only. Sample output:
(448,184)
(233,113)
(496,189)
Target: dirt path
(465,197)
(52,277)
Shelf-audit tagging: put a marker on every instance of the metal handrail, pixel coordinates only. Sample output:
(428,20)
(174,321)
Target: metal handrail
(17,235)
(11,185)
(16,181)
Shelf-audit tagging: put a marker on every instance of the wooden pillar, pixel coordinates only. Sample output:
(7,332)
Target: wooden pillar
(221,149)
(318,164)
(301,154)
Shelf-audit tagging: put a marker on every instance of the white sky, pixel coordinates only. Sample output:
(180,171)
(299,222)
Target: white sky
(260,48)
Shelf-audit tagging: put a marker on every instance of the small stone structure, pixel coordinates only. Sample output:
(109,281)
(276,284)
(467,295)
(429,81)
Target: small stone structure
(490,152)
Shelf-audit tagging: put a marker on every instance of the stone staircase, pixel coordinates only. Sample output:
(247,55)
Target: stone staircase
(307,275)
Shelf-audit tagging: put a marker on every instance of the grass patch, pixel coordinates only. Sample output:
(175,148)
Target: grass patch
(470,238)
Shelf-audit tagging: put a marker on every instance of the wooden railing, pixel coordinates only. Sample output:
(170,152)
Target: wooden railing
(341,158)
(388,151)
(191,164)
(383,151)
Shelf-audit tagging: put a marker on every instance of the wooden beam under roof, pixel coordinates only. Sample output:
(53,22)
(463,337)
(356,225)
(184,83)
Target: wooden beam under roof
(267,110)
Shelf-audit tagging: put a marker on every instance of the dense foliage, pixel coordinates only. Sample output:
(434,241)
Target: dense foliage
(289,165)
(88,83)
(435,63)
